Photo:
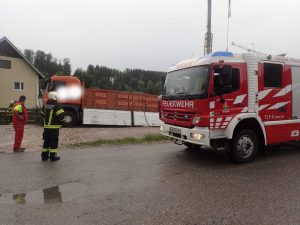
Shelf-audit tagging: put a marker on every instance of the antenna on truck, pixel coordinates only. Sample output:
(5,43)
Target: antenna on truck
(228,20)
(208,35)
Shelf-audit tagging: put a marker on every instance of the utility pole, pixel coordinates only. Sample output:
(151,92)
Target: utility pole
(208,35)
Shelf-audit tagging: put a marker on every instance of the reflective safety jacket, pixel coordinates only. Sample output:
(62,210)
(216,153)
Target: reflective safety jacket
(53,115)
(21,110)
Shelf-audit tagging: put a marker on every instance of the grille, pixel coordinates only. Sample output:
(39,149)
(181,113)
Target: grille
(179,116)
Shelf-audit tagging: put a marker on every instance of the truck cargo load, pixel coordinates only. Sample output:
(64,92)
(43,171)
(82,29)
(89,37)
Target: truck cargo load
(103,107)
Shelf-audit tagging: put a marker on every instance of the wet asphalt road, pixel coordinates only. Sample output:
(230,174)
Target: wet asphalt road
(158,183)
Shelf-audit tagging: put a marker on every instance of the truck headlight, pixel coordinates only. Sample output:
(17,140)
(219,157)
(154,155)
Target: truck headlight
(197,136)
(196,120)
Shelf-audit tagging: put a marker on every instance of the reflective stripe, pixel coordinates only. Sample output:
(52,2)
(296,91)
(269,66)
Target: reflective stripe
(54,150)
(239,99)
(278,105)
(52,126)
(45,150)
(284,91)
(50,117)
(59,112)
(42,112)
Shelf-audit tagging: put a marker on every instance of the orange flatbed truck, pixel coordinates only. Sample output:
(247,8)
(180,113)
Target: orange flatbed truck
(102,107)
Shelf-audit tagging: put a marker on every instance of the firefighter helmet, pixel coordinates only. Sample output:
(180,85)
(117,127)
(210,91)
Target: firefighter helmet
(53,95)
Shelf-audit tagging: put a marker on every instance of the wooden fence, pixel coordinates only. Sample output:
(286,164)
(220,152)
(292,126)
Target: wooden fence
(34,116)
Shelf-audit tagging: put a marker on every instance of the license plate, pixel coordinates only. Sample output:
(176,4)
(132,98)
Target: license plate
(175,130)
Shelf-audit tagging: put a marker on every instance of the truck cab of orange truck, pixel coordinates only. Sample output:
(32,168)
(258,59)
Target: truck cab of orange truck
(70,93)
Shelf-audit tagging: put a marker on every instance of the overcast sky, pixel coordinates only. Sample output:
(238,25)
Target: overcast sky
(147,34)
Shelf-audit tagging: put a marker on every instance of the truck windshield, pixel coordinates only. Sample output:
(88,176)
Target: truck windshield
(189,83)
(55,85)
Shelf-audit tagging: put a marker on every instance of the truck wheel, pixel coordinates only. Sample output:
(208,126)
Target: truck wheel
(244,147)
(69,119)
(191,146)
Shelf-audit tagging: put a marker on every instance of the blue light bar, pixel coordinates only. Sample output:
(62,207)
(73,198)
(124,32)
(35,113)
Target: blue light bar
(224,54)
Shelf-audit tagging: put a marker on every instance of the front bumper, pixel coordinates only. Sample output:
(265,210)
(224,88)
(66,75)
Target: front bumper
(196,135)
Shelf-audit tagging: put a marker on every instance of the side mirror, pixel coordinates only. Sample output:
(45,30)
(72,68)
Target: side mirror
(219,91)
(47,81)
(227,75)
(222,80)
(163,80)
(218,85)
(227,88)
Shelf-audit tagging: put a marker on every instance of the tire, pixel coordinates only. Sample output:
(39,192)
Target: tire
(191,146)
(69,119)
(244,146)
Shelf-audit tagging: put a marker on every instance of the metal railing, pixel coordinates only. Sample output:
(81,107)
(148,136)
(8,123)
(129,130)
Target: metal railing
(33,116)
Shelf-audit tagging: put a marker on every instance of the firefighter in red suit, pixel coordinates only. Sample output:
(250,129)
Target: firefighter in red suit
(20,117)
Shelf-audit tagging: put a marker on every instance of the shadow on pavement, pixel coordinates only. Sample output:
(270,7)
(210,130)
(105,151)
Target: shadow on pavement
(209,158)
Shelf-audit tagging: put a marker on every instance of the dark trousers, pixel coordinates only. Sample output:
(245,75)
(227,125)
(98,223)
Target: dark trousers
(50,137)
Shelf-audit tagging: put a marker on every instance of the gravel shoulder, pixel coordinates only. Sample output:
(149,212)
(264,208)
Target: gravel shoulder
(32,140)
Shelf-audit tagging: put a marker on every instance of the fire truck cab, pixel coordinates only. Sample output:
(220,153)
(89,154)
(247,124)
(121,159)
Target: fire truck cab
(233,102)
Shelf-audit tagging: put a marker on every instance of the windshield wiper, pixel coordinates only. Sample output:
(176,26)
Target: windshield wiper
(182,93)
(185,94)
(168,97)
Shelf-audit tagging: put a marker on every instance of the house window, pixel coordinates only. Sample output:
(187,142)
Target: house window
(5,64)
(272,75)
(19,85)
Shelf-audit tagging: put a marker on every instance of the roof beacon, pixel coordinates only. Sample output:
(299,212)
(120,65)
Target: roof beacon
(222,54)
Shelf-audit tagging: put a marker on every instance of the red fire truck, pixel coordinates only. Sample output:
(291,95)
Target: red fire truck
(234,102)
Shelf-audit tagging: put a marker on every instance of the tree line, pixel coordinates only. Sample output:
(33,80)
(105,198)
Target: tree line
(135,80)
(47,64)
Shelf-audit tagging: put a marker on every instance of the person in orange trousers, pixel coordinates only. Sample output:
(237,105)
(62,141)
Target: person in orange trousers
(20,117)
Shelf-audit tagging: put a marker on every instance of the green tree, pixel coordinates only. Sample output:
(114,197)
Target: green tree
(29,55)
(40,62)
(47,64)
(141,86)
(91,70)
(158,88)
(149,87)
(87,79)
(66,66)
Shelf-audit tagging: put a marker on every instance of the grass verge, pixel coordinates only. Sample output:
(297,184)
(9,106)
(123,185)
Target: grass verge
(120,141)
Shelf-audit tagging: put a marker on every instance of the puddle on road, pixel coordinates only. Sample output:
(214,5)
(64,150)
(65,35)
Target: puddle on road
(57,194)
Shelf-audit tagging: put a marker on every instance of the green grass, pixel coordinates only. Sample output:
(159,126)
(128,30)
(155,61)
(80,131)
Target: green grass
(120,141)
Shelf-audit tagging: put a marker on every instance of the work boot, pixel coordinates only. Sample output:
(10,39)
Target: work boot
(19,149)
(45,156)
(54,157)
(22,149)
